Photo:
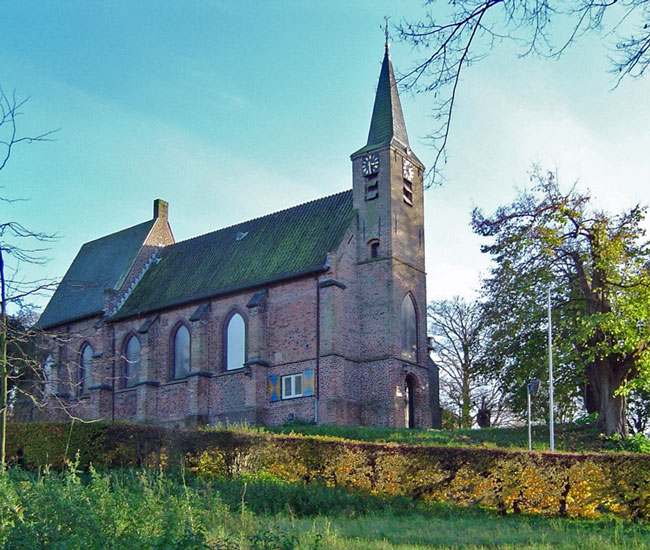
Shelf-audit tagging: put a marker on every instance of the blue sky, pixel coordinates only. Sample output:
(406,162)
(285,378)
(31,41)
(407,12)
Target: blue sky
(234,109)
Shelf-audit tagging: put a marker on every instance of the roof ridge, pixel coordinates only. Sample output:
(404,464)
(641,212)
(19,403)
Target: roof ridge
(99,265)
(261,217)
(118,232)
(152,259)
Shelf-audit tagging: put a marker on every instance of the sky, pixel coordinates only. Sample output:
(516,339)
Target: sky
(230,110)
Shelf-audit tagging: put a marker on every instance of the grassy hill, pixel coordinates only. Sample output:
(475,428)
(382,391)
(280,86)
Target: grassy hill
(186,507)
(568,437)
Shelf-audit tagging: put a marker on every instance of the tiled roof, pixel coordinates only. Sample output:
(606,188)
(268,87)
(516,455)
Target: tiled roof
(99,265)
(259,251)
(387,123)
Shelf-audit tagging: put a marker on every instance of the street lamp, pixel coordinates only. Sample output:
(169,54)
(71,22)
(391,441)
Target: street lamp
(531,389)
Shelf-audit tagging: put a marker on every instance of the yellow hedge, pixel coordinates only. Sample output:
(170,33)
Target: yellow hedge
(552,484)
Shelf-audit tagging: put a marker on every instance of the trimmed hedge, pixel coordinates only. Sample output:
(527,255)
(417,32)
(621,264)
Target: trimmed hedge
(105,445)
(553,484)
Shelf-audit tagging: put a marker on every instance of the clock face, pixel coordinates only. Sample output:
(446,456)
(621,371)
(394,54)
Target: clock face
(408,170)
(370,164)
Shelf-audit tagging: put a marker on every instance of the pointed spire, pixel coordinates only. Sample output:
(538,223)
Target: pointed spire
(387,124)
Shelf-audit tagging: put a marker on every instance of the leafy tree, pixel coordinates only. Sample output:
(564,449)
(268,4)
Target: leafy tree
(596,265)
(516,324)
(452,35)
(26,378)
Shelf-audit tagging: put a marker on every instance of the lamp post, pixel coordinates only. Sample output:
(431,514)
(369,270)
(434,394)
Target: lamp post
(550,372)
(531,389)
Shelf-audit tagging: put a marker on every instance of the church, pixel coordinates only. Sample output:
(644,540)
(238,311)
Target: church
(316,313)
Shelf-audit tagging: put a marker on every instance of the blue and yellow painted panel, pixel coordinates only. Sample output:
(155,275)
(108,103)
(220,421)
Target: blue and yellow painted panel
(274,388)
(308,383)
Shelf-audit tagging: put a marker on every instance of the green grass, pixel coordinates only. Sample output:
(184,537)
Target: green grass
(568,437)
(146,509)
(469,531)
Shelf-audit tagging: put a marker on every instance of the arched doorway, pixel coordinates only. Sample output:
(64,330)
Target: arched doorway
(409,408)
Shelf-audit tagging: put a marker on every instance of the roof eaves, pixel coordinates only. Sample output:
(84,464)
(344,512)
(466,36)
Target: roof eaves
(394,142)
(63,322)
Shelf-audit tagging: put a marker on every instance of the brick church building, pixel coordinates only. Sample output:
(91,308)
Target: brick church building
(314,313)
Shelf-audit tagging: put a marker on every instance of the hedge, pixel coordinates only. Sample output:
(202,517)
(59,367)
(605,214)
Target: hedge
(109,445)
(553,484)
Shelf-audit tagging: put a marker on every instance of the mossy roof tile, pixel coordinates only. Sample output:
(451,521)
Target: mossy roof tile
(99,265)
(249,254)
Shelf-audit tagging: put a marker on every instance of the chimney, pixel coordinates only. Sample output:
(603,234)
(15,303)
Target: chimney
(160,208)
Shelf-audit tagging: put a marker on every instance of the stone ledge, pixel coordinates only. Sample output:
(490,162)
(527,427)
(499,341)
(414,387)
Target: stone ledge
(331,282)
(100,387)
(260,362)
(152,383)
(244,370)
(203,373)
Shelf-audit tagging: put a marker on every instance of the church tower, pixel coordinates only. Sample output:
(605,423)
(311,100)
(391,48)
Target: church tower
(388,198)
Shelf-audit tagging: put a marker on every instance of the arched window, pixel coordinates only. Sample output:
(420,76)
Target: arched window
(132,362)
(235,342)
(373,248)
(85,370)
(409,406)
(409,325)
(182,358)
(49,386)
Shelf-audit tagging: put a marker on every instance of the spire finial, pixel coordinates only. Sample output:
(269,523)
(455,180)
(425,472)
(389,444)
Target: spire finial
(387,44)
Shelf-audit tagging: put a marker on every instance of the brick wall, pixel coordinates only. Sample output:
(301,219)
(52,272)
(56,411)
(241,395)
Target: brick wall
(343,325)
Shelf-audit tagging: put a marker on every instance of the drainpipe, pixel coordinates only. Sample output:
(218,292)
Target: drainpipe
(317,393)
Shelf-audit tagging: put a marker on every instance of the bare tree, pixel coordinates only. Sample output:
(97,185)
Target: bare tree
(14,247)
(461,33)
(459,343)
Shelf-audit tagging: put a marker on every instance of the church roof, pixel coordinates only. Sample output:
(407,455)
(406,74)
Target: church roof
(100,264)
(279,246)
(387,125)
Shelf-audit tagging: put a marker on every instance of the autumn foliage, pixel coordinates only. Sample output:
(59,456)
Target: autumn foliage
(551,484)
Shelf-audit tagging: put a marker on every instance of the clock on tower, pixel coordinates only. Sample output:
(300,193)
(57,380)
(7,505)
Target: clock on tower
(370,164)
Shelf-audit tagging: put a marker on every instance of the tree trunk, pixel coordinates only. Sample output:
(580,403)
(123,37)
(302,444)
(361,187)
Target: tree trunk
(4,373)
(466,406)
(604,378)
(611,419)
(483,415)
(591,397)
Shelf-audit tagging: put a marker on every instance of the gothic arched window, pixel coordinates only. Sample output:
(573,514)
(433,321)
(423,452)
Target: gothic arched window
(373,248)
(49,382)
(409,324)
(85,369)
(182,356)
(132,362)
(235,342)
(409,409)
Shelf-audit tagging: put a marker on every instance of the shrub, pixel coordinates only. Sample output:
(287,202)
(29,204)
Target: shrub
(575,485)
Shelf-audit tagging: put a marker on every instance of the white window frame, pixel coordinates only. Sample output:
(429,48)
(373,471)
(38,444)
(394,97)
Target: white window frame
(49,387)
(292,394)
(86,364)
(236,342)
